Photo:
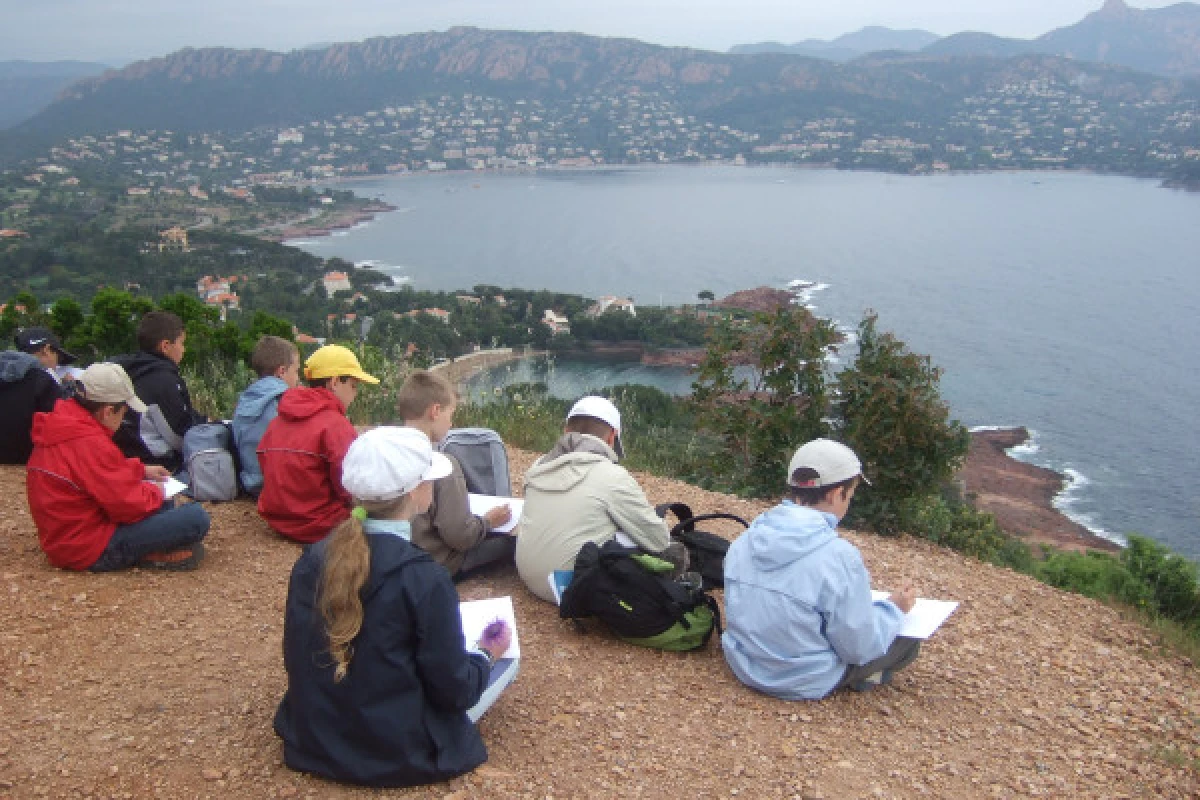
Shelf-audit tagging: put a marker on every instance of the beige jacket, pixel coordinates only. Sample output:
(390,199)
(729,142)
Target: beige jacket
(576,494)
(448,529)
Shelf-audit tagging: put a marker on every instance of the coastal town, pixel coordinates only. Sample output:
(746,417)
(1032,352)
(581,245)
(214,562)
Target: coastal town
(1039,124)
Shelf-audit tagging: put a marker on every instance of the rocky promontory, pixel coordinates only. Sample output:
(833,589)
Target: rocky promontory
(1020,495)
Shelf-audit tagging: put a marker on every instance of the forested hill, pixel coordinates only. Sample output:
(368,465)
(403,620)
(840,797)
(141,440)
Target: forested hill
(223,89)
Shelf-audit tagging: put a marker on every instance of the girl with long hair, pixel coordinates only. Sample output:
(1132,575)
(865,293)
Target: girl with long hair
(382,687)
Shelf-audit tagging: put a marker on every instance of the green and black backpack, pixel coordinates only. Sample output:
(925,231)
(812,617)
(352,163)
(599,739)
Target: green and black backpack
(706,551)
(632,593)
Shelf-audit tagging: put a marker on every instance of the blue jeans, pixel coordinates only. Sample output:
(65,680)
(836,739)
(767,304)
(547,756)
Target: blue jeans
(167,529)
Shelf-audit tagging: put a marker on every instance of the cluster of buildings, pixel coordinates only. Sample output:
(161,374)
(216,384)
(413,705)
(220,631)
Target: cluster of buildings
(1021,124)
(218,292)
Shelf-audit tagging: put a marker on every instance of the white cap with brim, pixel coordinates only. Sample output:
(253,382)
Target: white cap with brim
(600,408)
(109,383)
(385,463)
(832,461)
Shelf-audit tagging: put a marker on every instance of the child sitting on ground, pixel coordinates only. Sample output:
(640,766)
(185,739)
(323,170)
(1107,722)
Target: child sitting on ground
(302,449)
(277,362)
(156,434)
(578,493)
(800,622)
(26,388)
(382,687)
(94,508)
(448,531)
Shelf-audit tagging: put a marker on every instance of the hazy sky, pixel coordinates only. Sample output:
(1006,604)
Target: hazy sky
(119,31)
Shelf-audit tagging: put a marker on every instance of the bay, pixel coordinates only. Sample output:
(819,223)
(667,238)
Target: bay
(1065,302)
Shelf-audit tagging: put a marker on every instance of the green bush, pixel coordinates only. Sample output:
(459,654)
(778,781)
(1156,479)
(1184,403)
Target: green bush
(1169,579)
(892,414)
(1093,574)
(962,528)
(762,414)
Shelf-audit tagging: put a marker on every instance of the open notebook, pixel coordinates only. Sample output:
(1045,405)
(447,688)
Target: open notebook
(478,614)
(925,618)
(480,504)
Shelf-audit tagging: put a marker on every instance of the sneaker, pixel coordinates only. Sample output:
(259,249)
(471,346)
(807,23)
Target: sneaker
(871,681)
(182,560)
(677,554)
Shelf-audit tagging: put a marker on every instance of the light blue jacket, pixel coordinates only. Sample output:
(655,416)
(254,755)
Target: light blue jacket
(257,406)
(798,606)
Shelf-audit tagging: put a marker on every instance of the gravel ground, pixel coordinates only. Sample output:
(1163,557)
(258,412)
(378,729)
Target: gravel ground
(141,684)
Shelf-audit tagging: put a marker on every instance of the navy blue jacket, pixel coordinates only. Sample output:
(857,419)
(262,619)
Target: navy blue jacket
(25,389)
(156,436)
(398,717)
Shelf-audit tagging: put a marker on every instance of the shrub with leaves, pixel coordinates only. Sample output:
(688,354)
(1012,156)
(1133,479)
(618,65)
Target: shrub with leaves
(762,389)
(1169,578)
(892,414)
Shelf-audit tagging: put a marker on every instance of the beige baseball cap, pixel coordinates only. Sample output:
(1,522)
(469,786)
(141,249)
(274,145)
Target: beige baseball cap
(832,461)
(109,383)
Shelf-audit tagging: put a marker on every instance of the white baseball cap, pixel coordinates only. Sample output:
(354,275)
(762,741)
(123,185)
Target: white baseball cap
(106,382)
(832,461)
(600,408)
(385,463)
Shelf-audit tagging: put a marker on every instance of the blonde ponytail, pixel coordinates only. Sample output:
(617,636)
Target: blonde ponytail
(345,572)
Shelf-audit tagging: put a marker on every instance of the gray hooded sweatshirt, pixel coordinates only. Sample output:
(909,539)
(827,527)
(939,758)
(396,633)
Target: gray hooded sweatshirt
(576,494)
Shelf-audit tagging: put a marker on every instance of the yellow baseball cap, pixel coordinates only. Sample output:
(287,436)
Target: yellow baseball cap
(333,361)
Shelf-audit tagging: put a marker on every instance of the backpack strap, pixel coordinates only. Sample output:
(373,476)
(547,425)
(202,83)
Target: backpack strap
(688,525)
(682,511)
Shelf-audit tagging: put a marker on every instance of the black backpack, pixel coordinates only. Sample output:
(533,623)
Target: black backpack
(706,551)
(630,592)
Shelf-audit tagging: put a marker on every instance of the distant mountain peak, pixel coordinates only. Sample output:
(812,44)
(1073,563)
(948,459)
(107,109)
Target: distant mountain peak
(1115,8)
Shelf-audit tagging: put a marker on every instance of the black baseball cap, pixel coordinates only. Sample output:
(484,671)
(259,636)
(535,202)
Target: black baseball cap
(30,340)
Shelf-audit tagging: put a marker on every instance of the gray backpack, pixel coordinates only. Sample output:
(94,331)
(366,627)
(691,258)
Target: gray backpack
(208,459)
(484,461)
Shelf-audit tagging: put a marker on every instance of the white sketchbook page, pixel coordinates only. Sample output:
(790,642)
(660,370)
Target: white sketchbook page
(926,615)
(478,614)
(172,487)
(480,504)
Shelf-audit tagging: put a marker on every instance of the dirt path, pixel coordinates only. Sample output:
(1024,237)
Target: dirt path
(146,685)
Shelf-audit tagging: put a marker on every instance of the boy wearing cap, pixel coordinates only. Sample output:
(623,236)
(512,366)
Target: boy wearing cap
(277,362)
(156,435)
(577,493)
(94,508)
(27,386)
(46,347)
(302,450)
(800,620)
(448,531)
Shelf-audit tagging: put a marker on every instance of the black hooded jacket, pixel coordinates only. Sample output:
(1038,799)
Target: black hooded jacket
(25,389)
(398,718)
(158,384)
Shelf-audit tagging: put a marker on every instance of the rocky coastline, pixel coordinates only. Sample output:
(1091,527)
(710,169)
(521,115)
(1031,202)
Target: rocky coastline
(1020,495)
(338,221)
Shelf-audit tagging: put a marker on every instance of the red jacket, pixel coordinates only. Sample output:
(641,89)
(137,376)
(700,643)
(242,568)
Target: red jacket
(81,487)
(301,458)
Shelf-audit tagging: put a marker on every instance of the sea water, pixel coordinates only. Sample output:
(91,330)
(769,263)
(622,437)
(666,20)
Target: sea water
(1067,303)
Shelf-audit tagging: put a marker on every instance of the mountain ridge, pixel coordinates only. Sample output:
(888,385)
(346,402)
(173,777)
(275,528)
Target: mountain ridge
(1162,41)
(27,87)
(224,88)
